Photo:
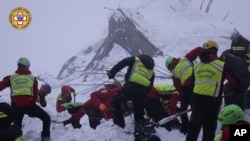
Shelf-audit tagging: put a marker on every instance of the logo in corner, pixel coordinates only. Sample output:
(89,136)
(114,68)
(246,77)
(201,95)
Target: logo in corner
(20,18)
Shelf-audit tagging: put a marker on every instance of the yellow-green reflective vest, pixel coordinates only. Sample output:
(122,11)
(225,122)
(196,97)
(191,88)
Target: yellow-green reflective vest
(217,137)
(208,77)
(21,84)
(140,74)
(59,98)
(183,70)
(164,89)
(20,138)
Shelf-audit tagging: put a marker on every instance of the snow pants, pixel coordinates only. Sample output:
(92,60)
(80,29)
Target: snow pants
(236,97)
(32,111)
(11,133)
(94,116)
(185,102)
(204,115)
(134,92)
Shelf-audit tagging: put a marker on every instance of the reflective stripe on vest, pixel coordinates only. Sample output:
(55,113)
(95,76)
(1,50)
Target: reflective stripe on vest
(164,89)
(21,84)
(140,74)
(183,70)
(164,103)
(3,115)
(208,77)
(238,48)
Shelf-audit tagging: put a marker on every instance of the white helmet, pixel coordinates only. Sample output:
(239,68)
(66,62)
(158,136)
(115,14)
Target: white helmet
(235,34)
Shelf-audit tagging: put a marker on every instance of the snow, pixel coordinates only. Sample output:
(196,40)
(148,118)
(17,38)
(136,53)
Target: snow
(173,26)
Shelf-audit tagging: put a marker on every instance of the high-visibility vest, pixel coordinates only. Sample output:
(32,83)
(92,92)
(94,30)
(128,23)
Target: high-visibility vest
(140,74)
(183,70)
(217,137)
(164,89)
(208,77)
(61,98)
(22,84)
(20,138)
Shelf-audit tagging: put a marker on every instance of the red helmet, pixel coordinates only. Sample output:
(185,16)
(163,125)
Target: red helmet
(65,89)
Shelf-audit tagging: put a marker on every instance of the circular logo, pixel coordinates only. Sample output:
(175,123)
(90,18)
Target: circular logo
(20,18)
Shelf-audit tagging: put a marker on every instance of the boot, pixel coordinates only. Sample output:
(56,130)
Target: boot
(145,126)
(76,125)
(143,129)
(153,138)
(45,138)
(139,136)
(68,121)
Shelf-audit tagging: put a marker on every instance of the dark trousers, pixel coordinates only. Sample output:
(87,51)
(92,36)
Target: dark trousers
(10,133)
(208,125)
(32,111)
(94,116)
(137,95)
(185,102)
(236,97)
(155,109)
(157,112)
(204,115)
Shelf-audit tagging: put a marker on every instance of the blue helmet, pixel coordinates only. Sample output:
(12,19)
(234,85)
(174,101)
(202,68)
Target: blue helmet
(47,88)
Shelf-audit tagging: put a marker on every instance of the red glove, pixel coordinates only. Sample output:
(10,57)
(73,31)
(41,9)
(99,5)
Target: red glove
(102,107)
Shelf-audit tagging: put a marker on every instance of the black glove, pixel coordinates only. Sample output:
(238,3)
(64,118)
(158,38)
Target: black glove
(110,76)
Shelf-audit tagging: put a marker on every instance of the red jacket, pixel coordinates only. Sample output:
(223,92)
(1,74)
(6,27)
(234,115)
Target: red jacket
(24,100)
(191,56)
(103,95)
(172,100)
(61,99)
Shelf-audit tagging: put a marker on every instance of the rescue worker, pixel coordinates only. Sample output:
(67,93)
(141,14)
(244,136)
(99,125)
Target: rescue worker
(139,80)
(24,92)
(99,104)
(240,46)
(44,90)
(64,100)
(162,102)
(209,76)
(230,115)
(8,130)
(239,70)
(182,76)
